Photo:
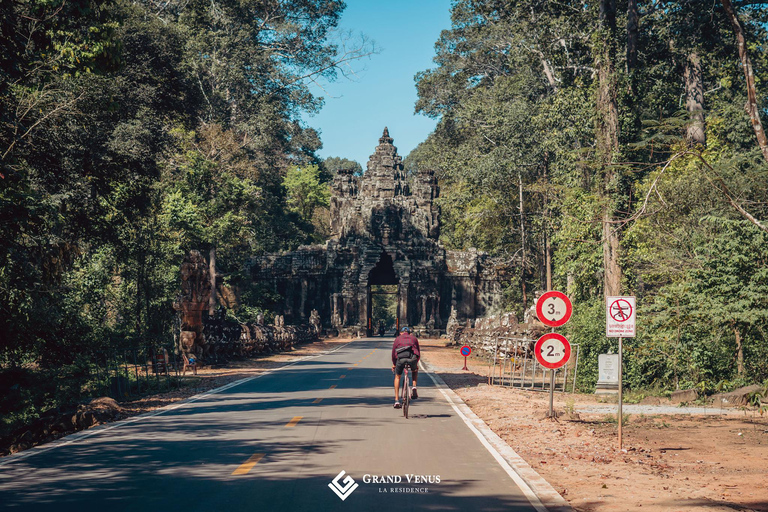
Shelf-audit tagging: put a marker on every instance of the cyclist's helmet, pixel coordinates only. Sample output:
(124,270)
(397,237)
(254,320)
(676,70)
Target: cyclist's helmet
(406,329)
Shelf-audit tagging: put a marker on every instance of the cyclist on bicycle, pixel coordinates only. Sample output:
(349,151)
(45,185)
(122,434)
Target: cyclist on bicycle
(405,351)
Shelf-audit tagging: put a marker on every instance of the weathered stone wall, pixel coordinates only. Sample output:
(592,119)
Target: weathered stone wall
(212,338)
(223,338)
(502,331)
(385,229)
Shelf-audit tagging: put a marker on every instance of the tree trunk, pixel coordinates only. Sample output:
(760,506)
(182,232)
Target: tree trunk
(607,134)
(607,103)
(139,281)
(633,24)
(212,271)
(739,351)
(548,217)
(522,238)
(611,265)
(695,132)
(751,107)
(548,259)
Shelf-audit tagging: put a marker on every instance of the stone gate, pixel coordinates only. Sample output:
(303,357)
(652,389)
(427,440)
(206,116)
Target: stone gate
(385,227)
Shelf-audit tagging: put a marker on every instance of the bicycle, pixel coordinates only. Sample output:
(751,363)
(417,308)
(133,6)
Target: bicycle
(406,390)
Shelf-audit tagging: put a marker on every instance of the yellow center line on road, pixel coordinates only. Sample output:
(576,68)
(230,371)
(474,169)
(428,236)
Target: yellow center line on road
(246,466)
(332,386)
(294,421)
(317,400)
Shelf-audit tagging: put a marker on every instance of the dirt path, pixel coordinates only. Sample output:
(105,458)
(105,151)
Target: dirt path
(671,462)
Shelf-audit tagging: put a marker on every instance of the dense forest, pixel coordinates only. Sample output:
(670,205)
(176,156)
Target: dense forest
(605,148)
(131,132)
(602,147)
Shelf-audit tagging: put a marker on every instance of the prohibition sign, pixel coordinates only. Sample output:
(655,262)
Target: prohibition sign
(465,351)
(552,350)
(620,310)
(554,308)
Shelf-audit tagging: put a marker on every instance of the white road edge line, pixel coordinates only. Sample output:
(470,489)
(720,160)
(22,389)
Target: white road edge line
(83,434)
(533,485)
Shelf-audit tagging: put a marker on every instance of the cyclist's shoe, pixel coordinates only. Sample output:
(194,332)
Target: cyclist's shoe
(397,405)
(414,394)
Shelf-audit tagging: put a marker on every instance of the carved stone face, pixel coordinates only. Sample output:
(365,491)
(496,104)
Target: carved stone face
(187,339)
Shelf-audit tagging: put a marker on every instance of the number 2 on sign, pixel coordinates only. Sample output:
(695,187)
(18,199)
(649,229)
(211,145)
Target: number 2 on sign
(551,352)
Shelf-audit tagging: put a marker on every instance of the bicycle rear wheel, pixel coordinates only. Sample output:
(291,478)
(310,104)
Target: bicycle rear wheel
(406,395)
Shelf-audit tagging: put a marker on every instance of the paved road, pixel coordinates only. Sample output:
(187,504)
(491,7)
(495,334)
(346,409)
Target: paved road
(275,443)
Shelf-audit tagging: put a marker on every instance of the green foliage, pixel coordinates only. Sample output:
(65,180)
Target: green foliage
(306,191)
(514,90)
(587,329)
(384,307)
(130,134)
(333,164)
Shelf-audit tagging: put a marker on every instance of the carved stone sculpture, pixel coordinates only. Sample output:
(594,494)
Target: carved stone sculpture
(314,322)
(193,301)
(384,227)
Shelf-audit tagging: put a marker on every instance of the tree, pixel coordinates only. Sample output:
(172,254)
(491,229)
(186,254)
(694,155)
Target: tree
(132,132)
(557,135)
(333,164)
(730,288)
(305,190)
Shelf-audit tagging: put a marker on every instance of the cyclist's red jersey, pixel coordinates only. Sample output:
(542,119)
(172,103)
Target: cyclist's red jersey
(405,340)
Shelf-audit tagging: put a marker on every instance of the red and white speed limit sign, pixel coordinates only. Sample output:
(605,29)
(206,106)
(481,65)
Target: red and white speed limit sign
(554,308)
(552,350)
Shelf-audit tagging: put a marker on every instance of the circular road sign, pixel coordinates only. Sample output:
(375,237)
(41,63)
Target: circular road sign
(554,308)
(621,310)
(552,350)
(465,350)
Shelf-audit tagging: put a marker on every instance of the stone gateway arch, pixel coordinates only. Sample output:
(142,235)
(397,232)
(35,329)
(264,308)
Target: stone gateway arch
(384,231)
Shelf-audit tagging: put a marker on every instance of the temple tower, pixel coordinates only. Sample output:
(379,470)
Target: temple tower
(384,231)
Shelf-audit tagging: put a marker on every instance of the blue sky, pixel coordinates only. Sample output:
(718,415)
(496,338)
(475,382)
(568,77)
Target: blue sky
(384,92)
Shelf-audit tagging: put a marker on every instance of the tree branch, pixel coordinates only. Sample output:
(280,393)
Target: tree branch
(719,183)
(751,106)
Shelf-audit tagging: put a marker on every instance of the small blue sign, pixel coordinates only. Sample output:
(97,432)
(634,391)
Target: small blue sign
(465,351)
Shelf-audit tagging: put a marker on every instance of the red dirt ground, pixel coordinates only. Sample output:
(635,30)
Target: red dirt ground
(669,463)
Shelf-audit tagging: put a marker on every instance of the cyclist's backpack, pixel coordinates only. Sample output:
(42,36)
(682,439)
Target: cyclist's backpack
(404,352)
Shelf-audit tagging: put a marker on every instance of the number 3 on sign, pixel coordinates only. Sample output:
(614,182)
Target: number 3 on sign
(554,309)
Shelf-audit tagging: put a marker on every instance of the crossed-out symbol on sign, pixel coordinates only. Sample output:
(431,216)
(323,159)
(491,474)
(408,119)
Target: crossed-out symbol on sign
(621,310)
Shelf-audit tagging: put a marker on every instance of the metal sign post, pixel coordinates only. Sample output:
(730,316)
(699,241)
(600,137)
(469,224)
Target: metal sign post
(551,413)
(621,390)
(552,351)
(620,315)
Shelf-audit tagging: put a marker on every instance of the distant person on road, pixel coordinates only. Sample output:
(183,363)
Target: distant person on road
(405,351)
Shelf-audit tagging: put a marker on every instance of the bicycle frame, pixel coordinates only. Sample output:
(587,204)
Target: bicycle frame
(406,390)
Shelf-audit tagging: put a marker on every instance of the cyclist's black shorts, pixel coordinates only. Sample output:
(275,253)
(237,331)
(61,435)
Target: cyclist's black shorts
(412,361)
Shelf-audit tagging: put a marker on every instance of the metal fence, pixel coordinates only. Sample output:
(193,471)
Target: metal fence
(131,373)
(513,364)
